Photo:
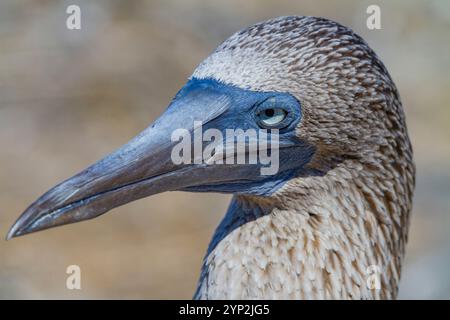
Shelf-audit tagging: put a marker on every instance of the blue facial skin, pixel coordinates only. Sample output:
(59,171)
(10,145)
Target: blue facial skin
(144,166)
(242,112)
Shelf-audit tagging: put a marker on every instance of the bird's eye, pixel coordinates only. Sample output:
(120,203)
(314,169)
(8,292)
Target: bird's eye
(272,117)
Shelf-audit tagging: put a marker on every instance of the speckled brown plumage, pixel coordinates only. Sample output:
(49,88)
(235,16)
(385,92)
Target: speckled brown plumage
(317,236)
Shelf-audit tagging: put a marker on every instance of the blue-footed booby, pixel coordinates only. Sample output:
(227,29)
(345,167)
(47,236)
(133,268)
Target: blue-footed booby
(336,212)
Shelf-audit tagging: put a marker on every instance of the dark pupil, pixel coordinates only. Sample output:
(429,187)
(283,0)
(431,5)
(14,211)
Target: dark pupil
(269,112)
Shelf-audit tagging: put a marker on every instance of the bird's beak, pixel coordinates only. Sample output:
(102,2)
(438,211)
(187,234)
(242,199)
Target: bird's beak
(140,168)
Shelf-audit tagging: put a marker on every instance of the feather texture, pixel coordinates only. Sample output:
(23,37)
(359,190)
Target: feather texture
(317,237)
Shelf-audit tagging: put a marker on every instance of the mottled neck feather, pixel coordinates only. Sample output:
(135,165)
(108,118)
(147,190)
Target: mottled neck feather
(331,237)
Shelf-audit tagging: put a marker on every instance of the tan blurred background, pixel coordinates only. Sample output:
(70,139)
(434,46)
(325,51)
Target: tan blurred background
(69,97)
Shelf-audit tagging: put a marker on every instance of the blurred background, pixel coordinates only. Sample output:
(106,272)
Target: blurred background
(69,97)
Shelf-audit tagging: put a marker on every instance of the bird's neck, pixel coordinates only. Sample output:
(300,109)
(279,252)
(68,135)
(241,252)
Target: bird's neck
(339,240)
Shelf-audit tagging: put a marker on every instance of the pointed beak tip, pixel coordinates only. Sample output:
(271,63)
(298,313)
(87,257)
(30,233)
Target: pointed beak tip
(11,234)
(14,232)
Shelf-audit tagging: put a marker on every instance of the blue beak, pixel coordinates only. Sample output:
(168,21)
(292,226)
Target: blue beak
(144,166)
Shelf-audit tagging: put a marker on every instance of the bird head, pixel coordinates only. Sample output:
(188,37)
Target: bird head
(305,94)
